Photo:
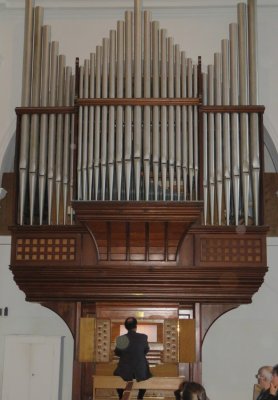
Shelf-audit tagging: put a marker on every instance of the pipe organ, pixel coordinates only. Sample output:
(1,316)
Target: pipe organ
(139,181)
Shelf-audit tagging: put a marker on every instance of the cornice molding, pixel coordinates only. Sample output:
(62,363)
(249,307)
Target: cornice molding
(125,4)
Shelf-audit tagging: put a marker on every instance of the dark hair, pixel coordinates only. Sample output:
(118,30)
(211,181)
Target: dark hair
(193,391)
(130,323)
(275,370)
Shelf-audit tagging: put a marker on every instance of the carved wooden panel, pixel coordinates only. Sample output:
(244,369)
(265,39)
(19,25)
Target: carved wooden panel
(170,341)
(45,249)
(87,339)
(236,250)
(137,241)
(187,341)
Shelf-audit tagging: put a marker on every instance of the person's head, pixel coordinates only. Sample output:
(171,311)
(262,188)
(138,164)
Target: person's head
(130,323)
(264,376)
(274,379)
(193,391)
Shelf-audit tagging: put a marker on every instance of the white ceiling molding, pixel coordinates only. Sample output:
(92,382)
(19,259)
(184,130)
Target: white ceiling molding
(124,4)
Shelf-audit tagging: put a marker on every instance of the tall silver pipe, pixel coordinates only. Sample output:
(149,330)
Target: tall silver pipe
(226,127)
(184,124)
(253,98)
(195,132)
(44,119)
(25,102)
(34,131)
(66,149)
(119,116)
(147,109)
(72,146)
(190,128)
(243,100)
(218,135)
(234,118)
(137,150)
(178,120)
(97,121)
(164,137)
(111,125)
(85,138)
(171,118)
(60,138)
(104,95)
(80,136)
(155,89)
(128,94)
(205,147)
(52,127)
(211,141)
(91,128)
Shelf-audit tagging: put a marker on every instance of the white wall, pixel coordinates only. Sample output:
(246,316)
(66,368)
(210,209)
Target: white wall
(244,339)
(30,319)
(240,341)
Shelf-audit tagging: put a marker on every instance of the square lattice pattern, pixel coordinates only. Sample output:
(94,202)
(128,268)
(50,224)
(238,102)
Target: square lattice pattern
(231,250)
(34,249)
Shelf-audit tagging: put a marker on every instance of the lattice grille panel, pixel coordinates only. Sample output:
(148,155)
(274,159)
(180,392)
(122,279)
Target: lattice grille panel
(231,250)
(45,249)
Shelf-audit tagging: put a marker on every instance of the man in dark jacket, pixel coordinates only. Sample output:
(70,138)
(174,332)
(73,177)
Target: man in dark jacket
(132,349)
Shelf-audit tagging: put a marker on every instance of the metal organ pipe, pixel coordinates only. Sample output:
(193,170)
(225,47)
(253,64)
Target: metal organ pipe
(104,93)
(25,102)
(205,147)
(235,120)
(137,135)
(218,134)
(44,119)
(178,147)
(35,102)
(120,112)
(147,110)
(128,94)
(97,121)
(171,120)
(59,137)
(52,127)
(243,100)
(91,128)
(184,124)
(164,137)
(211,140)
(253,98)
(111,124)
(156,141)
(226,128)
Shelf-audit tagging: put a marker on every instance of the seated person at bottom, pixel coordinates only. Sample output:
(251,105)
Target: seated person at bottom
(132,349)
(272,392)
(264,377)
(191,391)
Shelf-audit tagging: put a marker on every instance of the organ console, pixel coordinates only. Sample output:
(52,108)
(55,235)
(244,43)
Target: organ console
(139,187)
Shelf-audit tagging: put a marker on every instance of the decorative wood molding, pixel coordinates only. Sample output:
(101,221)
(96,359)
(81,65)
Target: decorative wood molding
(199,273)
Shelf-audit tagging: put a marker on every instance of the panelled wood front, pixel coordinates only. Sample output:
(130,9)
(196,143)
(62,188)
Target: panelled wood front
(68,264)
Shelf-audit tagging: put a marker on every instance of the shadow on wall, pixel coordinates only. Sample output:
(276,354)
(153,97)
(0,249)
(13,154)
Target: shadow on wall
(8,158)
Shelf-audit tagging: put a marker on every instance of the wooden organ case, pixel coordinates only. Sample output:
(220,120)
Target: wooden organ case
(139,189)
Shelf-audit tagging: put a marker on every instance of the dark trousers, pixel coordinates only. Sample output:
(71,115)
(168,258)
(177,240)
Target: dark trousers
(141,393)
